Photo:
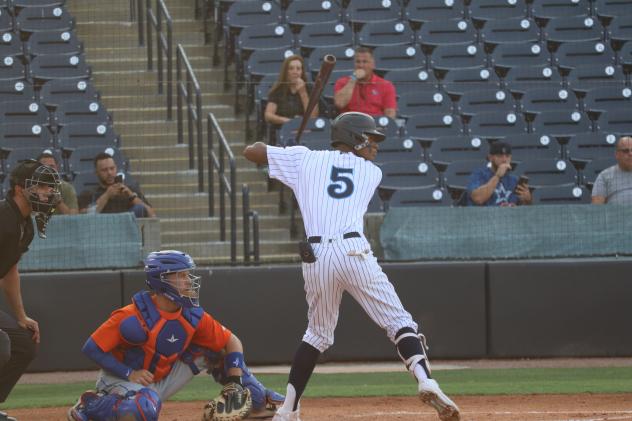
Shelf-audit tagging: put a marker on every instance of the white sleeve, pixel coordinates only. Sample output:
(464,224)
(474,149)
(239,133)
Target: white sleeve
(285,163)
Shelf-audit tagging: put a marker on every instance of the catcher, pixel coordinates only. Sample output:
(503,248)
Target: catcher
(152,348)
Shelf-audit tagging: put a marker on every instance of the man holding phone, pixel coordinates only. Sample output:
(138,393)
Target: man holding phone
(113,195)
(494,185)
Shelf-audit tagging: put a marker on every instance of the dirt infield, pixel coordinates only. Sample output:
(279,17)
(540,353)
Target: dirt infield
(581,407)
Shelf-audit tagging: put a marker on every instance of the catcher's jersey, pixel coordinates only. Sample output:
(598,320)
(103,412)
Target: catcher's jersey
(333,188)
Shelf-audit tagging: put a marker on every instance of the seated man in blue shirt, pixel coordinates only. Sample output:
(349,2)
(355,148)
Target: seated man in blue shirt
(493,185)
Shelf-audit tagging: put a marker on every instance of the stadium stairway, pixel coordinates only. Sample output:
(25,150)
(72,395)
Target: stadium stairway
(149,141)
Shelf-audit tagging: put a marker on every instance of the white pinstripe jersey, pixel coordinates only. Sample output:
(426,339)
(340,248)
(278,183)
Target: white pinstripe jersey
(333,188)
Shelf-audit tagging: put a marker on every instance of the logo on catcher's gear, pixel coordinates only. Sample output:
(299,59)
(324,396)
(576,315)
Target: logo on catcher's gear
(173,339)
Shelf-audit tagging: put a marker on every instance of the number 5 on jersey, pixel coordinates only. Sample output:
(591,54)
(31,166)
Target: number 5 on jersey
(342,184)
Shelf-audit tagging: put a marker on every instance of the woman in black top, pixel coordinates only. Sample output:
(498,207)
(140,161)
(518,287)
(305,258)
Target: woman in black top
(289,95)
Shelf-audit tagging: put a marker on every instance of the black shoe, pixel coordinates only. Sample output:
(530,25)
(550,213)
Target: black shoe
(5,417)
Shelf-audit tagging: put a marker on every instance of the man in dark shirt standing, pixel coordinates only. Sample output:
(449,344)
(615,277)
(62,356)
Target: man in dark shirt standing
(112,195)
(34,190)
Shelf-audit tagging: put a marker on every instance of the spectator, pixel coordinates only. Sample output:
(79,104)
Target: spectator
(493,185)
(112,195)
(289,96)
(363,90)
(68,204)
(614,184)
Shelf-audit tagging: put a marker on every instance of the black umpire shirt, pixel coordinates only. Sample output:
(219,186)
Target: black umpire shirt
(16,234)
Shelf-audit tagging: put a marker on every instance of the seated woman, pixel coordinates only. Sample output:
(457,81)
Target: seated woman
(289,96)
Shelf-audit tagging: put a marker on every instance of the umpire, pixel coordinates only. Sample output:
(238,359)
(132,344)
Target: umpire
(34,190)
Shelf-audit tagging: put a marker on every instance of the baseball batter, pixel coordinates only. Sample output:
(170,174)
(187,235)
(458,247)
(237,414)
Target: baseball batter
(333,190)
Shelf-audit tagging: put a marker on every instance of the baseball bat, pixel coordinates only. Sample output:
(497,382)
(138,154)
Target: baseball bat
(329,61)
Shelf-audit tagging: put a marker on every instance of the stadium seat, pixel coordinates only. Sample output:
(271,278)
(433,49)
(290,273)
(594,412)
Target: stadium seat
(345,59)
(549,9)
(16,90)
(11,70)
(608,97)
(620,30)
(54,42)
(360,12)
(529,146)
(44,19)
(387,125)
(616,122)
(548,172)
(425,196)
(78,135)
(25,135)
(82,111)
(38,3)
(316,144)
(484,10)
(496,124)
(625,57)
(510,31)
(10,46)
(521,79)
(459,81)
(520,55)
(448,57)
(24,111)
(18,155)
(572,54)
(316,128)
(397,149)
(457,148)
(486,100)
(573,29)
(588,146)
(392,32)
(431,126)
(413,102)
(610,9)
(306,12)
(58,91)
(457,175)
(561,195)
(85,181)
(594,167)
(547,99)
(334,34)
(408,174)
(398,57)
(587,77)
(45,68)
(421,11)
(440,32)
(82,159)
(413,79)
(6,21)
(557,123)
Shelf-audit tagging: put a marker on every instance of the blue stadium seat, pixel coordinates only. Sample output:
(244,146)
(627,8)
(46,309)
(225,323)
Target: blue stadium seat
(588,146)
(586,77)
(87,134)
(625,57)
(521,79)
(608,97)
(85,181)
(520,55)
(485,100)
(11,70)
(45,68)
(448,57)
(459,81)
(616,122)
(418,102)
(24,111)
(573,29)
(398,57)
(54,42)
(38,3)
(561,195)
(529,146)
(510,31)
(345,59)
(6,20)
(265,62)
(242,14)
(43,19)
(426,196)
(457,175)
(612,8)
(413,80)
(58,91)
(484,10)
(316,144)
(446,32)
(316,128)
(21,135)
(421,11)
(547,99)
(16,90)
(82,111)
(392,32)
(306,12)
(496,124)
(387,126)
(359,12)
(397,149)
(594,167)
(573,54)
(557,123)
(432,126)
(10,46)
(82,159)
(548,172)
(620,30)
(334,34)
(458,148)
(549,9)
(18,155)
(408,174)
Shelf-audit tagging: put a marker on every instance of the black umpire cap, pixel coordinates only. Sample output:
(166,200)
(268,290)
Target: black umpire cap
(500,148)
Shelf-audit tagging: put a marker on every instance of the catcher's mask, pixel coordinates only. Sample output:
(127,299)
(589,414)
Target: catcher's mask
(182,289)
(353,129)
(41,188)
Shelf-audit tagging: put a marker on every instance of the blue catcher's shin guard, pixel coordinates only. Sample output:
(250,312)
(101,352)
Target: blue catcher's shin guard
(142,405)
(261,397)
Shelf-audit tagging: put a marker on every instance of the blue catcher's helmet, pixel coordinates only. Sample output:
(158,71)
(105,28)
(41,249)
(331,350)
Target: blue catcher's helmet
(159,264)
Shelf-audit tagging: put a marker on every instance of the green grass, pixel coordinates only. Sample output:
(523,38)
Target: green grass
(454,382)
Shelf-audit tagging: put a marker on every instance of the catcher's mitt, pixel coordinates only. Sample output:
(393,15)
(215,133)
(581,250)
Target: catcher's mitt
(233,403)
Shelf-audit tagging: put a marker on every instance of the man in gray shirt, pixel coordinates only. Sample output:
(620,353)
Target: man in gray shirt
(614,184)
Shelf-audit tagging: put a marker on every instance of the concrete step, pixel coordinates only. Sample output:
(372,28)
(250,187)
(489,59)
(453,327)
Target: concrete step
(266,222)
(202,211)
(279,234)
(192,187)
(265,259)
(128,36)
(117,52)
(156,158)
(171,176)
(151,98)
(212,248)
(161,127)
(145,113)
(198,200)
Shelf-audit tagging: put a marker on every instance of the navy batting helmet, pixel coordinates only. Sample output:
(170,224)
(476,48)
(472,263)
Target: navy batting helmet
(159,264)
(353,128)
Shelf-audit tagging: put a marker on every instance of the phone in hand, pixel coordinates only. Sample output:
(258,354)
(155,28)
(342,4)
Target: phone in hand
(118,178)
(523,180)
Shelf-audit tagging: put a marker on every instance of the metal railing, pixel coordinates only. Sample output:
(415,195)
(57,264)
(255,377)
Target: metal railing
(249,215)
(161,23)
(227,185)
(190,95)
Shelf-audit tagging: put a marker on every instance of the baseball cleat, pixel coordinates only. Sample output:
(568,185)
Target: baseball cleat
(5,417)
(282,415)
(431,394)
